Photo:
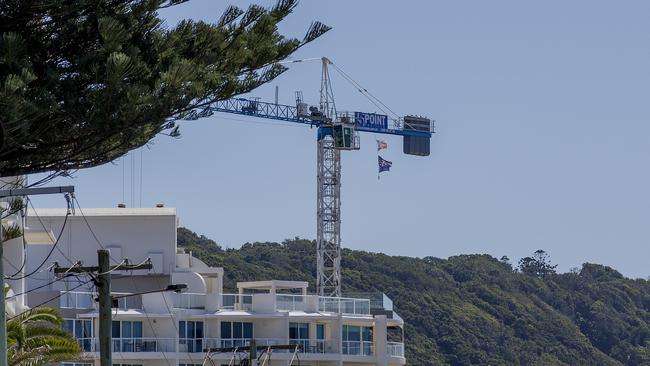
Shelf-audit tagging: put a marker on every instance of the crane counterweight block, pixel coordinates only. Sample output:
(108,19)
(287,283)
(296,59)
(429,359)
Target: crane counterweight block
(417,145)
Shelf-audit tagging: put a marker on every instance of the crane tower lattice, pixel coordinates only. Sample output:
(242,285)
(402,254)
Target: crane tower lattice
(336,132)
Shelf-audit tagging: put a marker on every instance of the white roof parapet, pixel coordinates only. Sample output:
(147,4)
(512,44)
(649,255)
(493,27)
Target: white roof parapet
(273,285)
(112,211)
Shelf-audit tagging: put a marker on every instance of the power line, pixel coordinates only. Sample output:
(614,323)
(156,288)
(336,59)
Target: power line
(40,287)
(47,301)
(45,229)
(54,246)
(135,286)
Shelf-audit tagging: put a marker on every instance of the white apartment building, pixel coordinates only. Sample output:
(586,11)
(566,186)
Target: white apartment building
(166,328)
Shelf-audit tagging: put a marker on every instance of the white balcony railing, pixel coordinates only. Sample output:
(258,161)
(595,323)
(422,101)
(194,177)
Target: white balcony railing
(358,348)
(143,345)
(77,300)
(395,349)
(291,302)
(315,345)
(198,345)
(191,345)
(340,305)
(243,342)
(343,305)
(86,300)
(237,302)
(188,301)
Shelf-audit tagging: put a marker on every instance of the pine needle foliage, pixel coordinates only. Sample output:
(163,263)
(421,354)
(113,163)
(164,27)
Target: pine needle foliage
(83,82)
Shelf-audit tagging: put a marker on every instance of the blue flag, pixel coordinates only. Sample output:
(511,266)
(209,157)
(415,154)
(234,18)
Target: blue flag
(384,165)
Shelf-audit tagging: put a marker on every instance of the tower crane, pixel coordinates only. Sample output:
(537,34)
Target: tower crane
(336,132)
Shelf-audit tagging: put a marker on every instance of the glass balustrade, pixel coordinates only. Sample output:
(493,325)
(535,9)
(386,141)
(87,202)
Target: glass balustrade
(143,345)
(237,302)
(188,301)
(395,349)
(343,305)
(291,302)
(358,348)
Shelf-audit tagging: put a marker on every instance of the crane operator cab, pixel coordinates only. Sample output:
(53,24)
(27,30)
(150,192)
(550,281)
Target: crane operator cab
(345,135)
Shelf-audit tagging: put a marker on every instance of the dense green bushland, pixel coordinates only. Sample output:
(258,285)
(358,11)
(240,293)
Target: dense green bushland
(474,309)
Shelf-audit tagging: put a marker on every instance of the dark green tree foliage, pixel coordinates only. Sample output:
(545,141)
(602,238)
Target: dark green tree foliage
(83,82)
(472,309)
(538,265)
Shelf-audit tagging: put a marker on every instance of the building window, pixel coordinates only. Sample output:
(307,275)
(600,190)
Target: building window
(236,334)
(299,334)
(299,330)
(127,364)
(320,331)
(357,340)
(127,336)
(190,334)
(82,329)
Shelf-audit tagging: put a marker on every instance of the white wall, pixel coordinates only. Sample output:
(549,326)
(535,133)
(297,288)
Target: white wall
(128,233)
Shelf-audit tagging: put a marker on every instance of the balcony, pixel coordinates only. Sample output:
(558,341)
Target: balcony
(358,348)
(76,300)
(188,301)
(395,349)
(291,302)
(241,342)
(237,302)
(144,345)
(315,345)
(343,305)
(191,344)
(245,302)
(86,301)
(198,345)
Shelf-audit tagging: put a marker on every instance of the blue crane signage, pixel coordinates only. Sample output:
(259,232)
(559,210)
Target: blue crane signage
(370,120)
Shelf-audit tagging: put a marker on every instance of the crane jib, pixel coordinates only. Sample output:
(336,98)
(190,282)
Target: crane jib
(371,120)
(364,122)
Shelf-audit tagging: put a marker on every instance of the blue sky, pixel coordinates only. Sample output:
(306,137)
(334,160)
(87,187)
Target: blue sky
(541,111)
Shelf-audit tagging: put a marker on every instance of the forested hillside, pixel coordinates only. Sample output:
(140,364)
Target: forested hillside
(473,309)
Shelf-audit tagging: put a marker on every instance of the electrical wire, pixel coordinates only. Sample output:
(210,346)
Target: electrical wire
(40,287)
(135,286)
(117,268)
(13,277)
(52,299)
(24,262)
(45,229)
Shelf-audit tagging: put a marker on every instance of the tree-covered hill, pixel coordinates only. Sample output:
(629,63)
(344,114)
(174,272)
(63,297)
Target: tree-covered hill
(473,309)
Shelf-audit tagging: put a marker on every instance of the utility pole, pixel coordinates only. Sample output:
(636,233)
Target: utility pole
(105,305)
(3,313)
(252,352)
(5,193)
(103,283)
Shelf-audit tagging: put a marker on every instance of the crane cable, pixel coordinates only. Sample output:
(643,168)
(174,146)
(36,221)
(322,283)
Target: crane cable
(373,99)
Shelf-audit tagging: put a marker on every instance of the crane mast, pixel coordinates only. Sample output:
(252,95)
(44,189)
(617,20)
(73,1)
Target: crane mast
(336,131)
(328,216)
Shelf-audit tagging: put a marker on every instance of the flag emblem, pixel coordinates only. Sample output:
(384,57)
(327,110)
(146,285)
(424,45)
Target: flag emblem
(381,144)
(384,165)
